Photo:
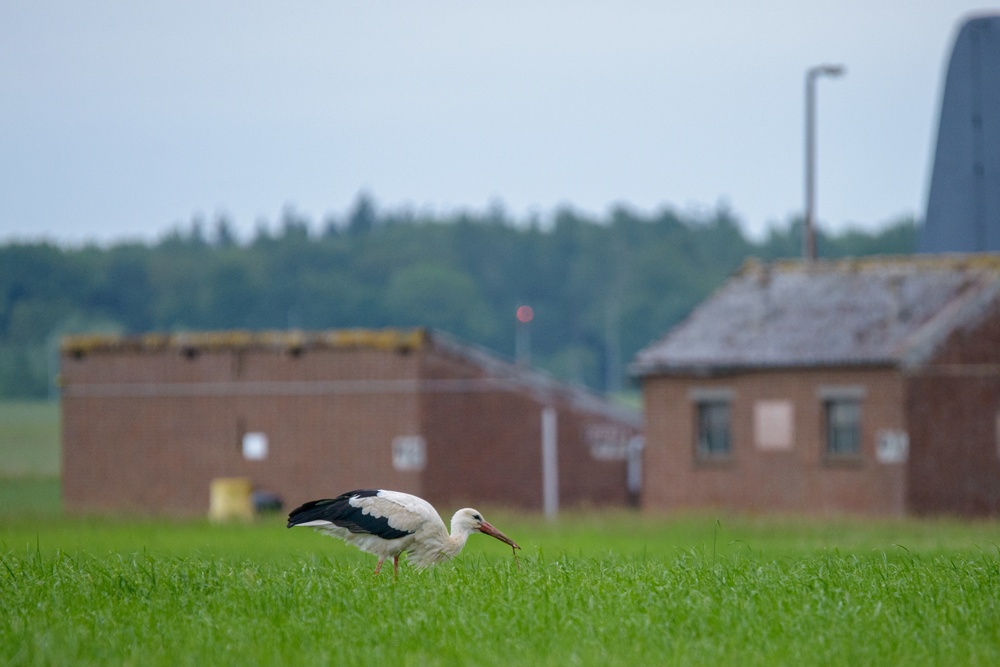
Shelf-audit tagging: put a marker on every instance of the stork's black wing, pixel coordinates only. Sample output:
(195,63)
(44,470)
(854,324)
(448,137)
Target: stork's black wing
(340,512)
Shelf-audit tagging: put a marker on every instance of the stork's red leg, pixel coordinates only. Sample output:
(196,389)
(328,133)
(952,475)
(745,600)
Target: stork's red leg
(378,568)
(395,565)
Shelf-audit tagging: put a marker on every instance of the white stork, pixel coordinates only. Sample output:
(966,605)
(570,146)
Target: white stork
(387,523)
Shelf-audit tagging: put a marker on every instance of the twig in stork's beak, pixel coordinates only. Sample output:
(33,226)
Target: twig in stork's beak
(486,527)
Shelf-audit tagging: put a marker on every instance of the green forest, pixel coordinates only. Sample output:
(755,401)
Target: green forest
(601,287)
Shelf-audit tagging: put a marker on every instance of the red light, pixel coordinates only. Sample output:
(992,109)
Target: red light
(525,314)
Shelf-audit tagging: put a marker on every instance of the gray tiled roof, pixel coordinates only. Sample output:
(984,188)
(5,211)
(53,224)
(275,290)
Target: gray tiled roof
(883,311)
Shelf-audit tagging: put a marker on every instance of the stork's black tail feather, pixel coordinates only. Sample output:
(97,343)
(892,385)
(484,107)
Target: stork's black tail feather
(312,511)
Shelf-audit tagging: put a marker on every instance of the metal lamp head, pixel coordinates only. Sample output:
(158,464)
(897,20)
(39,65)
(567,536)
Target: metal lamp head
(828,70)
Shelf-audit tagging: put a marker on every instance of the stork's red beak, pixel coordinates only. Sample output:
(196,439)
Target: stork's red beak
(486,527)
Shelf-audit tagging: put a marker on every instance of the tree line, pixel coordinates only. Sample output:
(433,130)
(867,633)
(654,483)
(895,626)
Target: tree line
(601,287)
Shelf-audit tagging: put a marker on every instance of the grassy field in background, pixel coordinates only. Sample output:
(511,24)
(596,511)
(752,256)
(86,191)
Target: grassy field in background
(29,439)
(32,496)
(596,588)
(30,457)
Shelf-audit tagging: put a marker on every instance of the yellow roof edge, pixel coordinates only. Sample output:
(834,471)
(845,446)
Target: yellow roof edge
(380,339)
(938,261)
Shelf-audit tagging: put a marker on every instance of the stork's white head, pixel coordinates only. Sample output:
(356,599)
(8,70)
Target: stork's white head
(468,520)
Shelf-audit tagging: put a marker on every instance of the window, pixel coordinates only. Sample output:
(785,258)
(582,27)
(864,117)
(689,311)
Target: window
(843,427)
(713,429)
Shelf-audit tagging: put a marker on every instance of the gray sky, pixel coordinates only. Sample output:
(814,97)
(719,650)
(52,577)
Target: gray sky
(122,119)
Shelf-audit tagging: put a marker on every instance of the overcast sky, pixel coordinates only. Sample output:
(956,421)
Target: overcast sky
(122,119)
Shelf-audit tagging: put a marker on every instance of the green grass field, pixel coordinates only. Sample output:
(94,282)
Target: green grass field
(605,588)
(611,589)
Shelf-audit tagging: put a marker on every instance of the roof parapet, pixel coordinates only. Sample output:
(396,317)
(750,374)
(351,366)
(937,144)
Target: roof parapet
(976,262)
(379,339)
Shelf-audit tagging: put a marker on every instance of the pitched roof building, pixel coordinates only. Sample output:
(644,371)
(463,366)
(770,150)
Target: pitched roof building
(150,421)
(863,385)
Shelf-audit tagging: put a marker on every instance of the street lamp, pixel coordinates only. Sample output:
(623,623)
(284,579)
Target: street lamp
(813,73)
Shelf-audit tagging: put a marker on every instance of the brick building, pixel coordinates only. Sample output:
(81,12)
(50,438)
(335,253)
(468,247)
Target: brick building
(149,422)
(868,386)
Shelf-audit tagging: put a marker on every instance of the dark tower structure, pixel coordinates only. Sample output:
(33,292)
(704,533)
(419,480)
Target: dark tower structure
(963,207)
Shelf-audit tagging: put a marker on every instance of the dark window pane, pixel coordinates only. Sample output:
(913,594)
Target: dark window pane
(713,428)
(843,427)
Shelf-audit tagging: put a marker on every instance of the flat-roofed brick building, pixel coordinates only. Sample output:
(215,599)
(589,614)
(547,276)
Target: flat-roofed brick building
(149,421)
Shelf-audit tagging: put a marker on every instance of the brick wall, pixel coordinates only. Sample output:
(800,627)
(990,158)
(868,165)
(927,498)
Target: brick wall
(796,479)
(953,406)
(484,447)
(156,446)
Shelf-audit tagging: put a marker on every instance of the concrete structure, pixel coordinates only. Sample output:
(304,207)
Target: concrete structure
(149,422)
(867,386)
(963,206)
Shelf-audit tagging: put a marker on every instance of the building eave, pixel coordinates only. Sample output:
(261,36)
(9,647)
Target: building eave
(721,369)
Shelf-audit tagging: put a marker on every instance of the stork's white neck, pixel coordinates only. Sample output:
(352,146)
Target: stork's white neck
(456,541)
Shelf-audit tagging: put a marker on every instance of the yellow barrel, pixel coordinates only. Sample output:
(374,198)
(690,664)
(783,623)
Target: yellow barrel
(230,499)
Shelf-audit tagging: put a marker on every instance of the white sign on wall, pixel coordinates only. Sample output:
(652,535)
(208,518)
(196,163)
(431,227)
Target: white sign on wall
(892,446)
(772,425)
(607,442)
(255,446)
(409,453)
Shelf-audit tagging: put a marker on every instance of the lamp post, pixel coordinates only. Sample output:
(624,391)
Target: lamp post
(522,335)
(809,235)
